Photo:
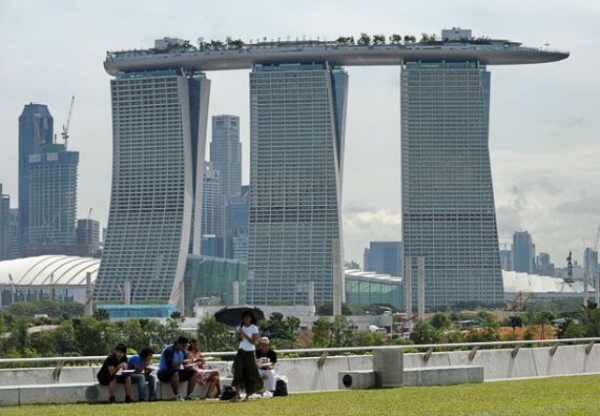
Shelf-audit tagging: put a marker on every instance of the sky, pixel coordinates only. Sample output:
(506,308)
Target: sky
(544,118)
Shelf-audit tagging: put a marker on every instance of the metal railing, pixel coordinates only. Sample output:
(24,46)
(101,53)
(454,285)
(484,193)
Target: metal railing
(474,347)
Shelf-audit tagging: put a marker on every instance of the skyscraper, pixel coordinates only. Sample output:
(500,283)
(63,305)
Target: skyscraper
(52,201)
(212,205)
(384,257)
(4,225)
(88,235)
(298,105)
(448,213)
(544,266)
(237,230)
(36,129)
(226,154)
(523,251)
(159,140)
(297,116)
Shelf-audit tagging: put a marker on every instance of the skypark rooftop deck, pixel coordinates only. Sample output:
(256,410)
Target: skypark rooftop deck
(492,53)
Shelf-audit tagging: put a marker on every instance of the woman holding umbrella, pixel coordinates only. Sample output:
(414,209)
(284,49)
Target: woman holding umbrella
(245,371)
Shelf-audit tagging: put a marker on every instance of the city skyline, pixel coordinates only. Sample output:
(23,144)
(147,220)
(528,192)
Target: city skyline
(541,132)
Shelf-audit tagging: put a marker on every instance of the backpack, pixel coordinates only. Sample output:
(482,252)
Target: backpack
(280,388)
(228,393)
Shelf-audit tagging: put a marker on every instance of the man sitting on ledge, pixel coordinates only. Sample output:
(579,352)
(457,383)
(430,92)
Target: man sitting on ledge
(171,369)
(111,373)
(266,359)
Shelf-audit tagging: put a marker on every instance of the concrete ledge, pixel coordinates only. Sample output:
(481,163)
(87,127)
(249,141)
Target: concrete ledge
(9,396)
(53,393)
(353,380)
(442,376)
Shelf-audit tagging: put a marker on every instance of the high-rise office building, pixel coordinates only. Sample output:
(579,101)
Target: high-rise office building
(4,225)
(448,213)
(212,207)
(384,257)
(523,251)
(88,236)
(226,154)
(226,158)
(36,129)
(159,140)
(237,231)
(14,234)
(52,201)
(506,260)
(297,114)
(590,264)
(544,266)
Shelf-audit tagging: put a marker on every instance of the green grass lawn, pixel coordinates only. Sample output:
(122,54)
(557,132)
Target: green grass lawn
(560,396)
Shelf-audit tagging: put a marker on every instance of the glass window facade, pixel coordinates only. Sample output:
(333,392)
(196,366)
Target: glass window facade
(159,139)
(297,115)
(448,213)
(363,288)
(36,129)
(211,277)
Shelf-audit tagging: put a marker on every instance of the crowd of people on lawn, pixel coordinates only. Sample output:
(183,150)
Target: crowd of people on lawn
(183,361)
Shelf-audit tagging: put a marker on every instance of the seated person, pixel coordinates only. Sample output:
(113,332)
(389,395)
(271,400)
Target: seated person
(171,369)
(266,359)
(111,373)
(205,376)
(142,364)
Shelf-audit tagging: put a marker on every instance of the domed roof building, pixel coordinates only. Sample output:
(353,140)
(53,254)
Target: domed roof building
(47,277)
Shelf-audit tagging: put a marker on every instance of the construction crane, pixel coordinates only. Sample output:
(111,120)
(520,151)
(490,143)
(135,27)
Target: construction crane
(520,303)
(569,278)
(65,126)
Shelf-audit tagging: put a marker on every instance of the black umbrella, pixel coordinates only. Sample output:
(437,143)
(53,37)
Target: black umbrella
(232,315)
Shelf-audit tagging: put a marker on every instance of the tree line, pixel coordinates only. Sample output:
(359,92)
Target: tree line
(60,329)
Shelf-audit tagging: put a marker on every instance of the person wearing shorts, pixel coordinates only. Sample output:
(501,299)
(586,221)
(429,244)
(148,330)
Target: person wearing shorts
(171,369)
(111,373)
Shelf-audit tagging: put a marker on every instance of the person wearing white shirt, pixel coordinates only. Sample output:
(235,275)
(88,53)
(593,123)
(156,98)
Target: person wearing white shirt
(245,370)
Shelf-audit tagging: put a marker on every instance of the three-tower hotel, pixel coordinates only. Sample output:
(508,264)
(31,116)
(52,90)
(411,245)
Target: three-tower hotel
(298,96)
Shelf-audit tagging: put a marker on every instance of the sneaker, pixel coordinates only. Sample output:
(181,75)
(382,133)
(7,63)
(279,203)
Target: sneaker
(235,399)
(192,397)
(178,398)
(128,399)
(111,399)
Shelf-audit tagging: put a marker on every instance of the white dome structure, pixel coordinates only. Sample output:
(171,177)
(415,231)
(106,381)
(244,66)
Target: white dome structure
(34,278)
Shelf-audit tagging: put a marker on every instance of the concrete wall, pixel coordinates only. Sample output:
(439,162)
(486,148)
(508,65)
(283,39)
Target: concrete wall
(529,362)
(320,374)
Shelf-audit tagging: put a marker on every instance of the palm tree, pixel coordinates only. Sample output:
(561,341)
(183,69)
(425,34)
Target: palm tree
(543,318)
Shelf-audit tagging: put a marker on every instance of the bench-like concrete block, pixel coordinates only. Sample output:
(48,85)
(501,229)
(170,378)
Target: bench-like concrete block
(98,393)
(441,376)
(363,379)
(388,364)
(9,396)
(164,391)
(52,393)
